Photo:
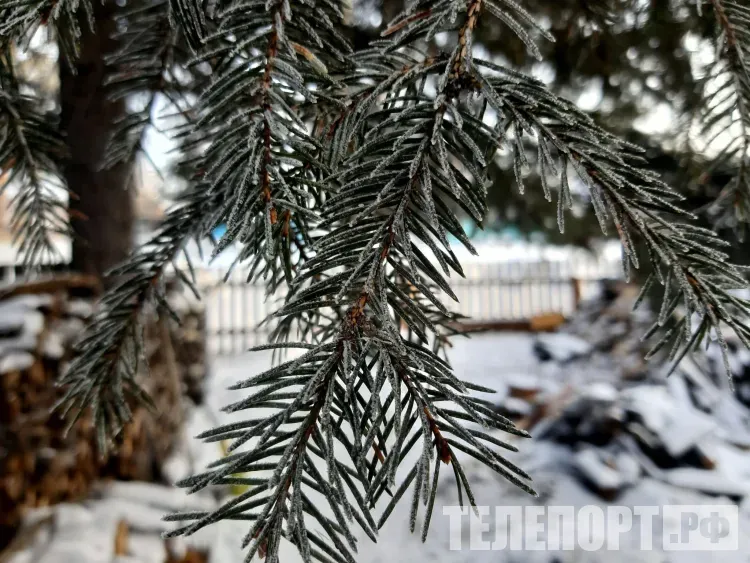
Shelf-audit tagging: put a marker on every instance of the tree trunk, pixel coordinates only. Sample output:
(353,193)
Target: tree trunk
(101,207)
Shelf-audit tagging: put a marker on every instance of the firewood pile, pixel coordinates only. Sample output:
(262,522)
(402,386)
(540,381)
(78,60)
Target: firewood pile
(616,419)
(40,464)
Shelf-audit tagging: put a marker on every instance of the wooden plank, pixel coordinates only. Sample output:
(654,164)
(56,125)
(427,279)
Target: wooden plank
(546,322)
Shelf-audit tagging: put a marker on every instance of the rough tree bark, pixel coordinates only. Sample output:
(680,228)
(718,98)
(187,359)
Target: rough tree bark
(102,207)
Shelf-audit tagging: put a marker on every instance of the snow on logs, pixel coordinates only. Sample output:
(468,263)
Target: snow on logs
(40,465)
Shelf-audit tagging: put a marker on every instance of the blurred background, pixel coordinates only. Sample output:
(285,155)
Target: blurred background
(551,317)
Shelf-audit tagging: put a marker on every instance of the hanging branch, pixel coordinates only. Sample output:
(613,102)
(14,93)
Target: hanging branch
(257,169)
(103,374)
(404,158)
(362,387)
(149,63)
(724,119)
(31,154)
(20,19)
(687,260)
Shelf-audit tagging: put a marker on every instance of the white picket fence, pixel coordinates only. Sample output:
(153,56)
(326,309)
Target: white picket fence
(509,281)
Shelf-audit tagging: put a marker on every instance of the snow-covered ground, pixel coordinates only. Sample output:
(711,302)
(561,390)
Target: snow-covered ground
(493,360)
(568,475)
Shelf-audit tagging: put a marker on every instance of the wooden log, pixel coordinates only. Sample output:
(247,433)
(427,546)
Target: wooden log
(121,538)
(68,283)
(546,322)
(191,556)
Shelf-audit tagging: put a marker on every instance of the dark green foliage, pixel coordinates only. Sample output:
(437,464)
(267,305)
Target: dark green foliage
(341,176)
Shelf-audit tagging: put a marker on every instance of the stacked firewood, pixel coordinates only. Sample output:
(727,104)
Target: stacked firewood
(41,464)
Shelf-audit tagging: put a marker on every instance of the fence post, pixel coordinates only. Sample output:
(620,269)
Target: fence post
(576,293)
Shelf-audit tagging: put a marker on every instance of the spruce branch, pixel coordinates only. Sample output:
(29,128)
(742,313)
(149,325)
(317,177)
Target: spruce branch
(258,140)
(724,119)
(374,393)
(104,373)
(259,189)
(20,19)
(151,63)
(31,154)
